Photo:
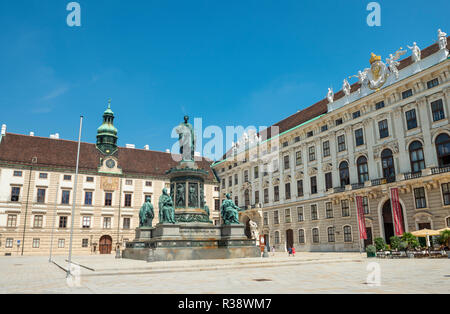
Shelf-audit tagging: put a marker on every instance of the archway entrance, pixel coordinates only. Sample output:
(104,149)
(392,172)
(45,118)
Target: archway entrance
(388,221)
(105,245)
(248,231)
(289,238)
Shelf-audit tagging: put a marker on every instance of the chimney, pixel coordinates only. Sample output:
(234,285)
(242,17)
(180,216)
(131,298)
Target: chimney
(31,133)
(3,130)
(147,147)
(130,146)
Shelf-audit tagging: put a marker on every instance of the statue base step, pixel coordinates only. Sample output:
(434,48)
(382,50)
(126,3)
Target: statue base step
(167,242)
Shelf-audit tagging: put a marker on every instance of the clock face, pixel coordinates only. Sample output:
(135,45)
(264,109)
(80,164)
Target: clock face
(110,163)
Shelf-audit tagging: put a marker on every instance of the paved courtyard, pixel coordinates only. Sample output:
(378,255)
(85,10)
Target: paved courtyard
(306,273)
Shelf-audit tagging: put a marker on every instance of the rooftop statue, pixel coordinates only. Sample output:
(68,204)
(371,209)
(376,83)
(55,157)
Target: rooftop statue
(362,78)
(166,210)
(187,140)
(146,214)
(416,53)
(393,63)
(346,88)
(330,95)
(230,212)
(442,40)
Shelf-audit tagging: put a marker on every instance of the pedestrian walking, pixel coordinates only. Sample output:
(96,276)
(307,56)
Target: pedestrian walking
(293,251)
(290,251)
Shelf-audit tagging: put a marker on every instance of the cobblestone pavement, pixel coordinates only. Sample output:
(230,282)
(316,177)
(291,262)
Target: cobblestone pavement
(306,273)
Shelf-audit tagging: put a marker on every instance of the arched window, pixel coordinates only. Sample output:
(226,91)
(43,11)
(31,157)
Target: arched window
(416,157)
(344,174)
(443,150)
(301,236)
(315,235)
(387,162)
(348,234)
(277,237)
(363,169)
(331,237)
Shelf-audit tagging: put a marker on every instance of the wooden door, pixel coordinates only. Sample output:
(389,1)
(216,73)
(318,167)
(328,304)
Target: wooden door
(105,245)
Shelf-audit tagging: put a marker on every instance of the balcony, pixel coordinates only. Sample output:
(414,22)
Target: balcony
(438,170)
(412,175)
(383,181)
(357,186)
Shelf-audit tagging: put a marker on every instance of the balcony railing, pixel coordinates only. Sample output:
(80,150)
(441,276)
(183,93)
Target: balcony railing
(412,175)
(339,189)
(383,181)
(439,170)
(357,186)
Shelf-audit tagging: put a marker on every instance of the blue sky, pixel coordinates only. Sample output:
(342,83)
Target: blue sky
(229,62)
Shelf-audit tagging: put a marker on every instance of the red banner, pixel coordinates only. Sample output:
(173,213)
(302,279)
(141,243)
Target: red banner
(397,212)
(361,218)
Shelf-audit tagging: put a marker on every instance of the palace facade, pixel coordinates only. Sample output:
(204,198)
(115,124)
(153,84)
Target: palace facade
(300,185)
(37,190)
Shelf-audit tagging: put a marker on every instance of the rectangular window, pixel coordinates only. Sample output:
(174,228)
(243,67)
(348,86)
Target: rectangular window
(339,121)
(276,219)
(419,195)
(437,108)
(312,153)
(326,148)
(313,185)
(85,243)
(61,243)
(128,200)
(41,196)
(300,188)
(256,197)
(236,179)
(287,215)
(345,208)
(297,139)
(266,195)
(63,222)
(285,144)
(256,172)
(9,243)
(126,223)
(300,216)
(314,214)
(12,221)
(87,198)
(356,114)
(411,120)
(86,222)
(348,234)
(230,181)
(43,176)
(331,237)
(310,134)
(67,177)
(301,236)
(108,199)
(379,105)
(365,202)
(383,128)
(446,193)
(276,193)
(315,235)
(148,183)
(223,183)
(36,243)
(286,162)
(287,190)
(17,173)
(106,222)
(128,182)
(328,181)
(217,204)
(89,179)
(298,158)
(432,83)
(341,143)
(266,219)
(246,176)
(15,194)
(359,137)
(38,221)
(65,197)
(324,128)
(407,93)
(329,209)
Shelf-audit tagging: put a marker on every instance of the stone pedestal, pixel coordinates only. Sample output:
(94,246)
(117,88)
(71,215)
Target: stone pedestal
(233,232)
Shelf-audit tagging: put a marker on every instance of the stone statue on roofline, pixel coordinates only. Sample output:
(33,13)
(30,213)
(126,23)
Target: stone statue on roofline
(442,40)
(393,63)
(362,79)
(346,88)
(416,53)
(330,95)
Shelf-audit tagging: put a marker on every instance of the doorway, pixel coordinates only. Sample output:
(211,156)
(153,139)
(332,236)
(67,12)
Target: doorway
(388,221)
(369,240)
(105,245)
(289,238)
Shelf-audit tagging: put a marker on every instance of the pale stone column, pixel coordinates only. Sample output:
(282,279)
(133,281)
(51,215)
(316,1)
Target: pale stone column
(370,139)
(333,153)
(351,155)
(320,177)
(402,159)
(424,115)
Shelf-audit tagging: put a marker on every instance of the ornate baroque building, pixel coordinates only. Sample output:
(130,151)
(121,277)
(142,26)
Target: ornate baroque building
(391,129)
(37,189)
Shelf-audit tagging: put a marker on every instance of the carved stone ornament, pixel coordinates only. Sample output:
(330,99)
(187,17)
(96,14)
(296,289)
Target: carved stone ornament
(275,181)
(299,175)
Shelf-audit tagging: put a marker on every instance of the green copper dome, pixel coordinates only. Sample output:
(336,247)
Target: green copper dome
(107,133)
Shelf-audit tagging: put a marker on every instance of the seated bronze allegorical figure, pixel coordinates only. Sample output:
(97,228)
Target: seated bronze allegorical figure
(166,210)
(230,212)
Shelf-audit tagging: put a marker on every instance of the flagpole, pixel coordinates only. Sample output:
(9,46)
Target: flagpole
(74,199)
